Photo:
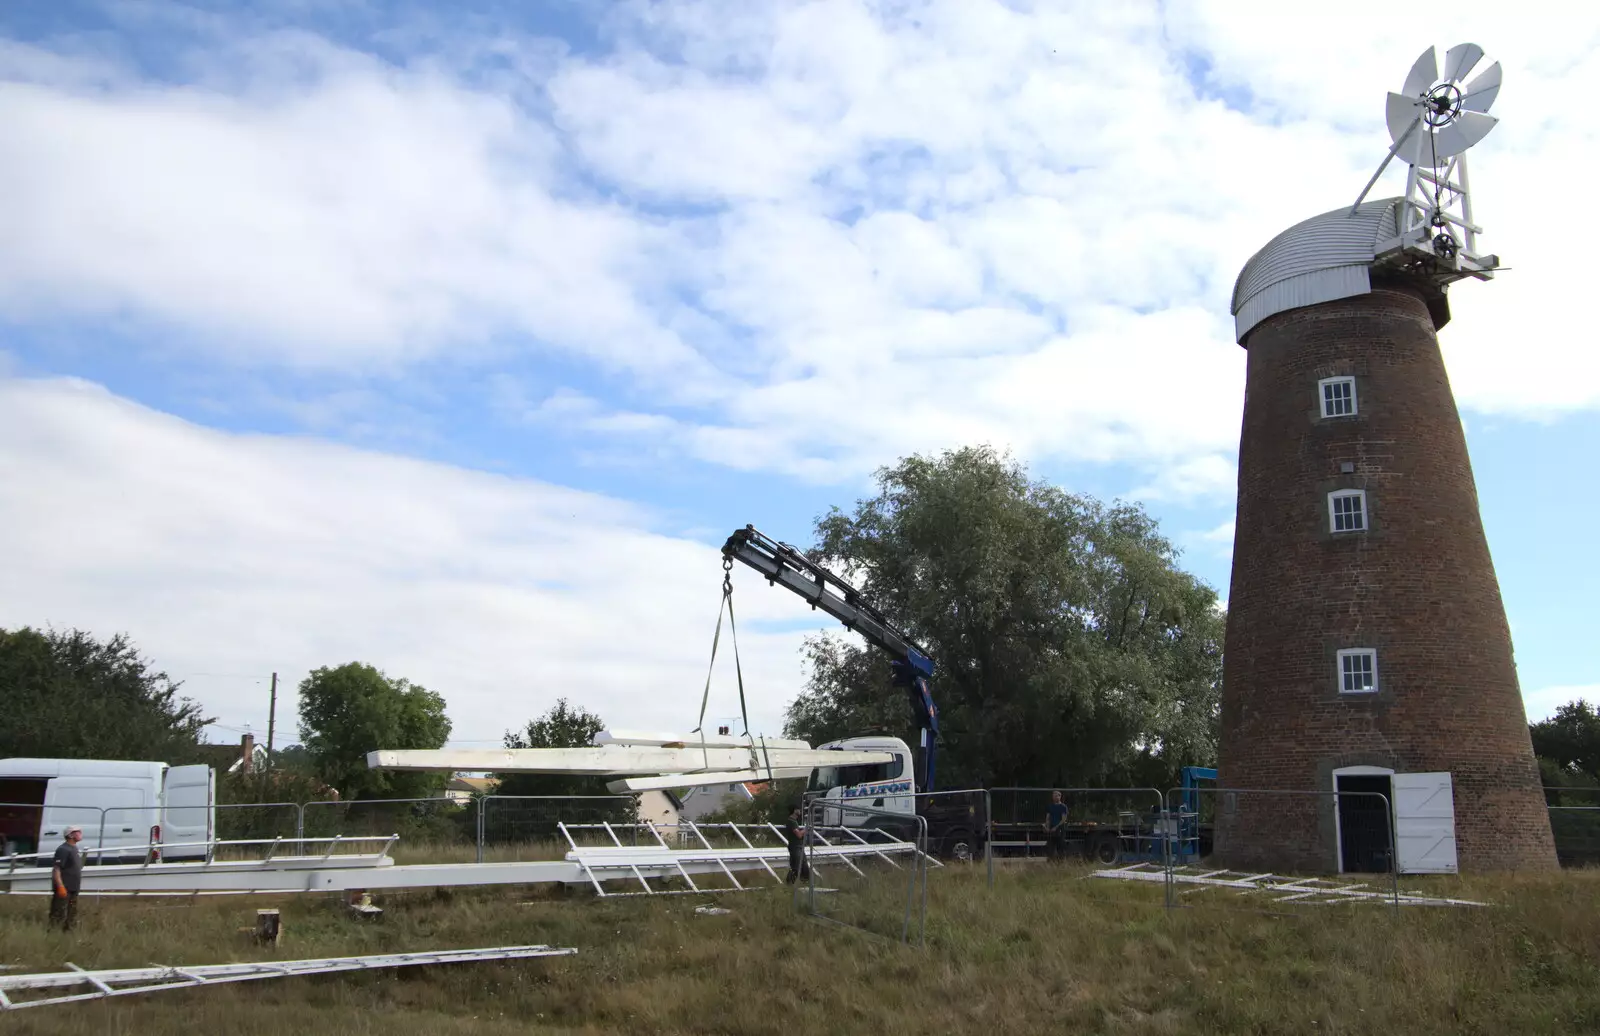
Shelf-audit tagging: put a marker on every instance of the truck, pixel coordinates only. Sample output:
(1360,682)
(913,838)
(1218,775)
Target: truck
(123,807)
(957,827)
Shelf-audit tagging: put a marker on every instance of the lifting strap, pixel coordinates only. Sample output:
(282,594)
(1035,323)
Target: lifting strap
(705,697)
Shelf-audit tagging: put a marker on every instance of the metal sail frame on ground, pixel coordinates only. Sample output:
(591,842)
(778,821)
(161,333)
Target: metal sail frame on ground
(617,861)
(1277,887)
(332,871)
(111,982)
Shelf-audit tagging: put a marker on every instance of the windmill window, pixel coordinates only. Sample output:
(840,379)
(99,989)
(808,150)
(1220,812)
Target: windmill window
(1358,671)
(1347,510)
(1338,396)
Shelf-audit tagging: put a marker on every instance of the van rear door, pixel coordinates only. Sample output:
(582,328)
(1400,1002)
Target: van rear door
(186,820)
(114,812)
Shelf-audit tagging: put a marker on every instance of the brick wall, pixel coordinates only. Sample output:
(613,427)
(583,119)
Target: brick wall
(1419,587)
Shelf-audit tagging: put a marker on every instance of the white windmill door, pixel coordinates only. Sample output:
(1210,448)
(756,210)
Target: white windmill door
(1424,823)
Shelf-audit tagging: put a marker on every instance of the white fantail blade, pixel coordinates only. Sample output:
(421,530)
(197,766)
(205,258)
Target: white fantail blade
(1422,75)
(1482,91)
(1467,129)
(1400,112)
(1458,61)
(660,739)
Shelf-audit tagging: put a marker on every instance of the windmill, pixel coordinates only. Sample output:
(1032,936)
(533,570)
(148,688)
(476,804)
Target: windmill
(1367,657)
(1433,121)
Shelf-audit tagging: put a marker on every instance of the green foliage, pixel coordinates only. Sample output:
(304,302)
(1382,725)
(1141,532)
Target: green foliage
(70,696)
(355,709)
(294,759)
(1070,648)
(562,726)
(1568,749)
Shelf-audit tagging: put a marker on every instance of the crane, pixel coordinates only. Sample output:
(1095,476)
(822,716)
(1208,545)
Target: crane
(911,667)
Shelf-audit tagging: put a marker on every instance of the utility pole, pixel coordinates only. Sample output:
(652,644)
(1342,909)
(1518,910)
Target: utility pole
(272,716)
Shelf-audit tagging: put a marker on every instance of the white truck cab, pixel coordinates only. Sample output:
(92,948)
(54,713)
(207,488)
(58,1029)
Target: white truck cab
(889,787)
(121,806)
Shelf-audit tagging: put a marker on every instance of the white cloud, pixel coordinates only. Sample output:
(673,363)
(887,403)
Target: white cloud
(1542,703)
(1209,476)
(812,238)
(233,554)
(1217,541)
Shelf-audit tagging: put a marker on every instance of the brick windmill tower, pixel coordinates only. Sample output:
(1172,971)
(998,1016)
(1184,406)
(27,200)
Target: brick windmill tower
(1367,645)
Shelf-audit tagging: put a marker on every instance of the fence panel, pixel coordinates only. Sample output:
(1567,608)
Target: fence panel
(1107,826)
(523,827)
(434,829)
(253,820)
(1577,834)
(29,833)
(1278,851)
(881,887)
(187,833)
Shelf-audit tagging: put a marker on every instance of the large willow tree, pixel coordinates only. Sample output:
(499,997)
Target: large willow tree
(1070,647)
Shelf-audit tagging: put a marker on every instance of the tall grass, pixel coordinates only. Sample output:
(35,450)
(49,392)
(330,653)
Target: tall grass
(1045,951)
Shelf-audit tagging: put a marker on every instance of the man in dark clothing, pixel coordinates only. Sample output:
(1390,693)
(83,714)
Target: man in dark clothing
(66,877)
(1055,826)
(795,835)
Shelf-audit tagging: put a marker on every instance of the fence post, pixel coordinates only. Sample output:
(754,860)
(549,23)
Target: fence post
(988,840)
(1394,850)
(483,801)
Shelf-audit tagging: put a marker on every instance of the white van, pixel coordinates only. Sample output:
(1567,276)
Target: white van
(121,806)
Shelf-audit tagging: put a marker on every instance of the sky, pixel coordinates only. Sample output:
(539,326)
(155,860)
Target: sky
(456,338)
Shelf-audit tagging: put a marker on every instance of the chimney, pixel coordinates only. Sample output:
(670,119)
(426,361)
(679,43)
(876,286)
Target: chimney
(247,752)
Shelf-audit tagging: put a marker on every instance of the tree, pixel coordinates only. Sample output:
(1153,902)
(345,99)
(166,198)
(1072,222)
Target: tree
(355,709)
(1568,748)
(70,696)
(1069,647)
(562,726)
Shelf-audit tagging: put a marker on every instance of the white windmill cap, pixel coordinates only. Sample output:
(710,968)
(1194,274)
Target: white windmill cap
(1323,258)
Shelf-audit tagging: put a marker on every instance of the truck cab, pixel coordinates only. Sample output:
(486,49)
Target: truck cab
(887,786)
(122,807)
(956,826)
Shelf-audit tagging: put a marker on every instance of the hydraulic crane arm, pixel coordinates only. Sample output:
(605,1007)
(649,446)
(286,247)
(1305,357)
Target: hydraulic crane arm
(912,668)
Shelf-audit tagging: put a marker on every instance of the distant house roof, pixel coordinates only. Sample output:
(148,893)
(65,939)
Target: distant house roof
(218,757)
(230,758)
(480,785)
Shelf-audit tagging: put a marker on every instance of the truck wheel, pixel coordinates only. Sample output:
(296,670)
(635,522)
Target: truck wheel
(1106,849)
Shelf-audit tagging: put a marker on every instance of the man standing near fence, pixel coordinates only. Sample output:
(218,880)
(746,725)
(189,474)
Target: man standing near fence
(1055,826)
(66,877)
(795,834)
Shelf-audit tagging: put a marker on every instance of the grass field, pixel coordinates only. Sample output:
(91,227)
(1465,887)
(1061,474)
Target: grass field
(1045,951)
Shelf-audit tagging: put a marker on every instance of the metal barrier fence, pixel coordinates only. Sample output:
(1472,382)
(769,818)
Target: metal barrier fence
(432,822)
(1251,848)
(1109,825)
(1576,830)
(527,826)
(884,892)
(1112,826)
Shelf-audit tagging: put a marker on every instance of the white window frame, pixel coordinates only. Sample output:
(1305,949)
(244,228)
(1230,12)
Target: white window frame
(1322,396)
(1333,519)
(1344,653)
